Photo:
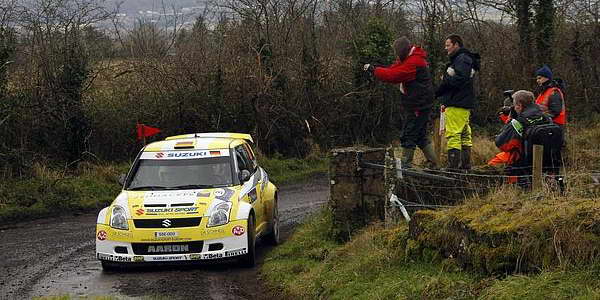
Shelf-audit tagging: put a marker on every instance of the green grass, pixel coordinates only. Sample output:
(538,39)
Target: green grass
(52,192)
(379,263)
(293,170)
(373,265)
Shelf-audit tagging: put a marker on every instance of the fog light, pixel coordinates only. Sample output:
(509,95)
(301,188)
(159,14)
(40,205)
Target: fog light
(215,247)
(121,250)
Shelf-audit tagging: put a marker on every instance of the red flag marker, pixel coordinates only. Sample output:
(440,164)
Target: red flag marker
(144,131)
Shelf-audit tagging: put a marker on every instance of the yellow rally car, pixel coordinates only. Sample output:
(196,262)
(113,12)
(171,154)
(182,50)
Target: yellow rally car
(190,197)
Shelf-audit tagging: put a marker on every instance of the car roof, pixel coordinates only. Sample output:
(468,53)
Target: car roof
(199,141)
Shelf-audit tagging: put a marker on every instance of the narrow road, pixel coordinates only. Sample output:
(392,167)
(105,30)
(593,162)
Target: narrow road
(56,257)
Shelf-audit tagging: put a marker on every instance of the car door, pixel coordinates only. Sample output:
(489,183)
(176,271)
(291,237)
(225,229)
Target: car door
(261,183)
(251,187)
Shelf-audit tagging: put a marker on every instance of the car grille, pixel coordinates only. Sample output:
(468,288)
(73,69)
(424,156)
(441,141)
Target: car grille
(166,248)
(172,223)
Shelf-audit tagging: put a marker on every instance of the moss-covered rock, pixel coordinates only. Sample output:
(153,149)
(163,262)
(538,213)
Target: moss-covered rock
(511,231)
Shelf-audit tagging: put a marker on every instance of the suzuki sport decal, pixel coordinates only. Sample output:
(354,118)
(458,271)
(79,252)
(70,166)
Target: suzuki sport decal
(194,154)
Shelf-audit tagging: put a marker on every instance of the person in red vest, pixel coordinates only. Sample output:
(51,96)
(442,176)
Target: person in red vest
(550,96)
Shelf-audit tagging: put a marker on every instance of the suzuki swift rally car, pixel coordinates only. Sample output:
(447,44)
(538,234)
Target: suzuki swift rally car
(190,197)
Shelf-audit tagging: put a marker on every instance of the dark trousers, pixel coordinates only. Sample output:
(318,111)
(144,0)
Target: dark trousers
(414,131)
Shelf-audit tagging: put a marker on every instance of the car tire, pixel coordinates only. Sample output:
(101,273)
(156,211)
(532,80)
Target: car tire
(272,238)
(249,259)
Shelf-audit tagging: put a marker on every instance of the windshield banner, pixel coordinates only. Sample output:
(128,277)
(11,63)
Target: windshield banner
(185,154)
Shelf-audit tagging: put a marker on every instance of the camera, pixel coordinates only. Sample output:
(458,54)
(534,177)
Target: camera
(508,100)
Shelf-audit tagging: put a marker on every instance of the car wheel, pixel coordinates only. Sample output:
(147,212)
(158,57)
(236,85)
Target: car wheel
(273,237)
(249,260)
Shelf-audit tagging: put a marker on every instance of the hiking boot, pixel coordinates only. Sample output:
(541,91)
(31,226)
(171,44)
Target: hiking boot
(453,160)
(407,157)
(465,158)
(431,157)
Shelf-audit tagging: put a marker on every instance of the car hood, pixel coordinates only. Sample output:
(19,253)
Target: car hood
(181,203)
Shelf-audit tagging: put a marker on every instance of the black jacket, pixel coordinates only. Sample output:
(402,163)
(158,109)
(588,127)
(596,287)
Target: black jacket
(510,138)
(457,88)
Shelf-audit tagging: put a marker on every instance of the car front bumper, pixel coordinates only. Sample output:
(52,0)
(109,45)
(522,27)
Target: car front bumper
(190,244)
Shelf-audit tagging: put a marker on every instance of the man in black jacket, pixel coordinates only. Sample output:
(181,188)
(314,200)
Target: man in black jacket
(457,96)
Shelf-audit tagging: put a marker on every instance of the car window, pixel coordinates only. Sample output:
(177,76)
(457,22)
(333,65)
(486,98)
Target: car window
(244,161)
(167,174)
(251,155)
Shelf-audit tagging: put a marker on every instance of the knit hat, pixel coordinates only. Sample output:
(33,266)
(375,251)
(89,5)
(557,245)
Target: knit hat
(402,47)
(544,71)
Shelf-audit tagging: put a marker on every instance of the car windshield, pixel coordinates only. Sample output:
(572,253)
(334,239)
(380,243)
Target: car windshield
(153,174)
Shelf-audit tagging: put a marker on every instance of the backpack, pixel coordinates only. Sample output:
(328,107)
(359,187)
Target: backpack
(549,135)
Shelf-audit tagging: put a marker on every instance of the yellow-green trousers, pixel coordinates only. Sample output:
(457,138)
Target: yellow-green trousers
(458,130)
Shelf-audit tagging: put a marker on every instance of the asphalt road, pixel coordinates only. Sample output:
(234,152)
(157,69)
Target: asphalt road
(56,257)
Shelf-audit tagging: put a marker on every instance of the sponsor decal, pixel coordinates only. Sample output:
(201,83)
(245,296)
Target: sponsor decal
(252,195)
(195,256)
(238,230)
(187,154)
(168,248)
(118,233)
(168,234)
(150,195)
(212,231)
(102,235)
(166,239)
(235,252)
(139,212)
(111,257)
(171,210)
(219,193)
(167,258)
(212,255)
(203,195)
(224,194)
(192,154)
(138,258)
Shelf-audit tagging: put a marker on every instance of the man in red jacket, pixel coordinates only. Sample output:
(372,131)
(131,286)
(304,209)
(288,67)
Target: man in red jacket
(411,72)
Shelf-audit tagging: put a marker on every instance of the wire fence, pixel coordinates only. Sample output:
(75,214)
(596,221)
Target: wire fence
(440,189)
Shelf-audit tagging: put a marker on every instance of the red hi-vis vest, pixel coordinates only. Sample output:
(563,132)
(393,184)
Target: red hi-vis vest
(543,99)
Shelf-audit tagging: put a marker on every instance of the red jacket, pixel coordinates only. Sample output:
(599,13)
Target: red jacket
(414,78)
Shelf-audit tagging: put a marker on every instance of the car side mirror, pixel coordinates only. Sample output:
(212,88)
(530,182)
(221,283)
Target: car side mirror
(244,176)
(121,179)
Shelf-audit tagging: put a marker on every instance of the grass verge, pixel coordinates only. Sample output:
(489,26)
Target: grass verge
(293,170)
(380,263)
(52,192)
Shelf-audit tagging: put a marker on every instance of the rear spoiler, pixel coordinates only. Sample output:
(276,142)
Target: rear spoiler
(230,135)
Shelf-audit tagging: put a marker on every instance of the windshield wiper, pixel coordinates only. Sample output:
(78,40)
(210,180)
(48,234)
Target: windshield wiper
(193,186)
(149,187)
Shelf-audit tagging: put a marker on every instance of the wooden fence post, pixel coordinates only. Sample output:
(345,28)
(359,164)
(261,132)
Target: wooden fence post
(392,213)
(437,140)
(538,156)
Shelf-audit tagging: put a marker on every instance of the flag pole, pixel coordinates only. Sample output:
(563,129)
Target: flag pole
(143,135)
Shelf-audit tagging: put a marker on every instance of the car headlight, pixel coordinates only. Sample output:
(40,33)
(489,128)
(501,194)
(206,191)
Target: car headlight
(118,218)
(219,215)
